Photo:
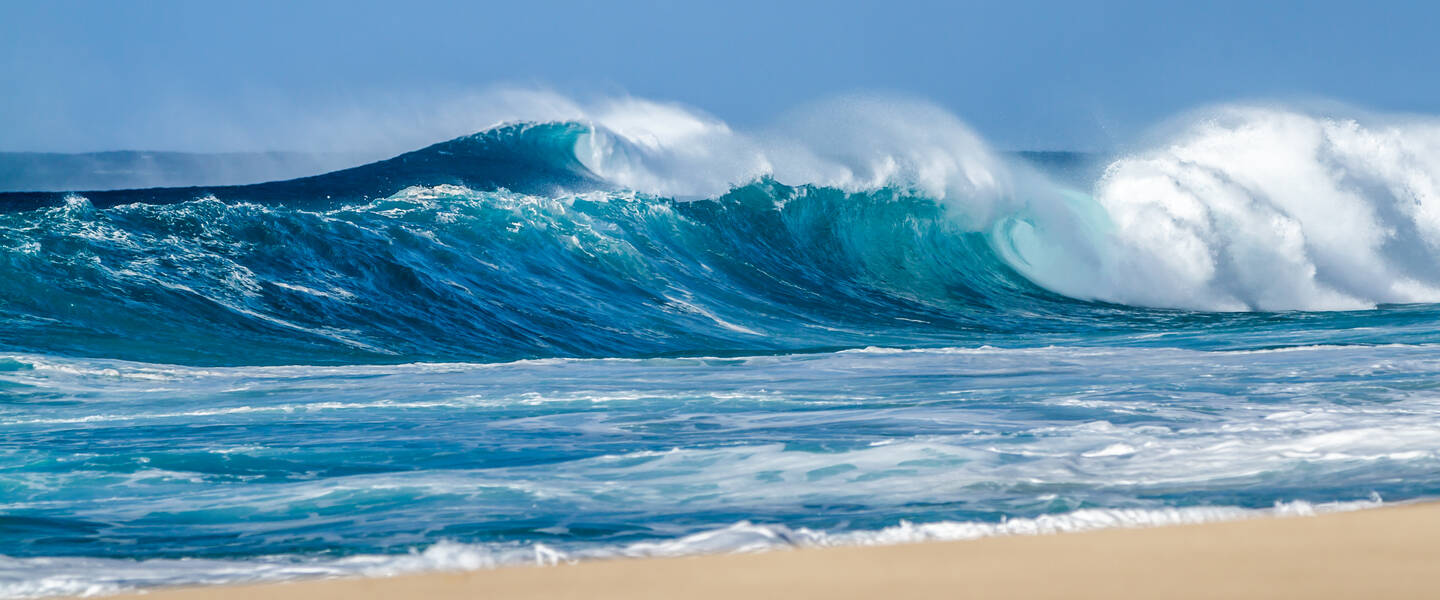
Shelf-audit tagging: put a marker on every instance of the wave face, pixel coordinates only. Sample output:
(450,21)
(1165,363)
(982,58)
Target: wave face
(446,272)
(632,330)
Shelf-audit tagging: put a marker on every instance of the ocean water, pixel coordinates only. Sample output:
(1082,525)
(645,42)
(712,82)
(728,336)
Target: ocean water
(643,332)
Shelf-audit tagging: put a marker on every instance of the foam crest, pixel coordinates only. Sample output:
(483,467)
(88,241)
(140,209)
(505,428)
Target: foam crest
(854,143)
(667,150)
(1260,208)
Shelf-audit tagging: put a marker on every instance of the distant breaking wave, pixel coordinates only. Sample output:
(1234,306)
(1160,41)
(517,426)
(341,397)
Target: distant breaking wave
(641,229)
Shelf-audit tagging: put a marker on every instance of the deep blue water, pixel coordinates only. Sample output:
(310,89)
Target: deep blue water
(496,350)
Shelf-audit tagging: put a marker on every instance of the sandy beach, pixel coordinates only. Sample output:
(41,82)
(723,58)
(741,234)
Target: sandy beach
(1391,552)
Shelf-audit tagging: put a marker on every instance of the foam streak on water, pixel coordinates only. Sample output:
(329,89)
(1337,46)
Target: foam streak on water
(261,472)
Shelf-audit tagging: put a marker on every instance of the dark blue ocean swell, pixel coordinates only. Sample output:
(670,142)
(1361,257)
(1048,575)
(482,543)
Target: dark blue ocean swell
(524,157)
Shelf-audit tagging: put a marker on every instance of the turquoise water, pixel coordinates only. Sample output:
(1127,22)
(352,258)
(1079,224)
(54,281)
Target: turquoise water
(504,349)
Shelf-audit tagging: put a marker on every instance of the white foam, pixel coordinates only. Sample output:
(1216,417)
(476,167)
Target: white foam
(1263,208)
(79,576)
(853,143)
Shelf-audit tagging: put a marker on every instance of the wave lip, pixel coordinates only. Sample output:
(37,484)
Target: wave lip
(856,144)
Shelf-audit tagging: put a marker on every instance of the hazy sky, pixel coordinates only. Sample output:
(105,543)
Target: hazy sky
(357,75)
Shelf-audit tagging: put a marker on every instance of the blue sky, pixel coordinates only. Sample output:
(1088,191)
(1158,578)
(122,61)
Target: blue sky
(1064,75)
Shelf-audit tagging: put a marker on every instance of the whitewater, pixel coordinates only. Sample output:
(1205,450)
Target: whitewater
(628,329)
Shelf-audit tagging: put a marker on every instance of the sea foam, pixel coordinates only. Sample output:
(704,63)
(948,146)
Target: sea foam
(46,577)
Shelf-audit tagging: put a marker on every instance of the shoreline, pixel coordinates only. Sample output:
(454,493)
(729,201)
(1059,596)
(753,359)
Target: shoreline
(1390,551)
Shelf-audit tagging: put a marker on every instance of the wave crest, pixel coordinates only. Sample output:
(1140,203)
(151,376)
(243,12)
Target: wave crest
(1252,208)
(855,144)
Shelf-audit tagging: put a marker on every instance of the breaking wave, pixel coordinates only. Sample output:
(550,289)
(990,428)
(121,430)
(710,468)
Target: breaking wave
(637,228)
